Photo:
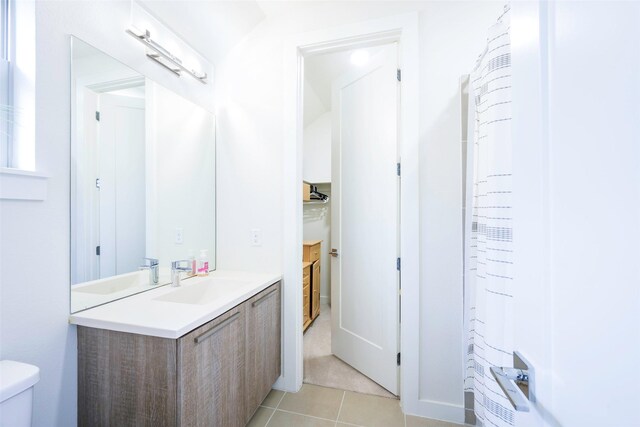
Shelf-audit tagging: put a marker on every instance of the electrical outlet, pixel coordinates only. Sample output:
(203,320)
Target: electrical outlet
(256,237)
(179,236)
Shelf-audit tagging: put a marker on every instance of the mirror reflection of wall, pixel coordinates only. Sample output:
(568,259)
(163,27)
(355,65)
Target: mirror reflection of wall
(143,177)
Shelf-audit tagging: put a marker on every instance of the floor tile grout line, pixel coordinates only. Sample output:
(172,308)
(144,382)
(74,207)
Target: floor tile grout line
(310,416)
(270,416)
(344,393)
(281,399)
(275,409)
(340,409)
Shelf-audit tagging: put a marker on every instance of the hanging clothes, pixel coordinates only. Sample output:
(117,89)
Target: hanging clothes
(489,253)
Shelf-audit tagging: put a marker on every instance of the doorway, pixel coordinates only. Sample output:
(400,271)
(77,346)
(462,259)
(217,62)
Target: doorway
(350,151)
(402,29)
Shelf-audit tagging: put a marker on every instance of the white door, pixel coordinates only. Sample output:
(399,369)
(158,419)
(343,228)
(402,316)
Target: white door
(577,193)
(364,216)
(122,184)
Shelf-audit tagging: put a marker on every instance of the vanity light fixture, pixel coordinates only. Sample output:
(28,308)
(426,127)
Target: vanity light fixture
(163,57)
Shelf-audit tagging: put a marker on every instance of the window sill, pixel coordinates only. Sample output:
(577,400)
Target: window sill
(17,184)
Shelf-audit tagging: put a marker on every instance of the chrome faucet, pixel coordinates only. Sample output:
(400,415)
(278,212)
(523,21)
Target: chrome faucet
(177,268)
(153,265)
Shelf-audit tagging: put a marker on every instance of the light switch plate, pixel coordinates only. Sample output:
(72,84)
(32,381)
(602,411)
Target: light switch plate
(256,237)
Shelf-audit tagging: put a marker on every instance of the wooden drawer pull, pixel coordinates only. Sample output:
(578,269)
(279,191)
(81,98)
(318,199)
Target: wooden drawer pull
(263,297)
(216,328)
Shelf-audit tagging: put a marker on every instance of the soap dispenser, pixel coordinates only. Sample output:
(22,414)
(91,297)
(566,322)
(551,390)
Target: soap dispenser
(203,263)
(193,263)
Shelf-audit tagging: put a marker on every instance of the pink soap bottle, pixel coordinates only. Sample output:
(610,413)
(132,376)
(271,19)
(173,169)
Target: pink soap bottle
(203,263)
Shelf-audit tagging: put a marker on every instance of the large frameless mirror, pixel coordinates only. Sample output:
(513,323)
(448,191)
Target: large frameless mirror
(142,180)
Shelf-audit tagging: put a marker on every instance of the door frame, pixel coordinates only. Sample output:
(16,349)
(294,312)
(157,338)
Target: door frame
(402,29)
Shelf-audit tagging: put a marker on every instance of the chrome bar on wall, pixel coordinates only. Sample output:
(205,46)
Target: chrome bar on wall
(161,54)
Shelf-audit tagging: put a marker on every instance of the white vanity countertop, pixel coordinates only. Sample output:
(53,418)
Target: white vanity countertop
(153,313)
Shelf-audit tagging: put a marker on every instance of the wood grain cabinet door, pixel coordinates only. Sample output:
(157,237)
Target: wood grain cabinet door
(211,373)
(125,379)
(263,346)
(315,290)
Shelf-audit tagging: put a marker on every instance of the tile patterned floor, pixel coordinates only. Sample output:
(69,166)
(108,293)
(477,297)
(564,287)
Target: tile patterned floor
(315,406)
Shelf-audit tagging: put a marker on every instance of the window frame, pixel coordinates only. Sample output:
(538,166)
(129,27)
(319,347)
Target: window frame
(18,179)
(6,81)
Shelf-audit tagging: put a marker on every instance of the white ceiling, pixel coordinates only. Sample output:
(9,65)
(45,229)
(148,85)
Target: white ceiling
(319,73)
(211,27)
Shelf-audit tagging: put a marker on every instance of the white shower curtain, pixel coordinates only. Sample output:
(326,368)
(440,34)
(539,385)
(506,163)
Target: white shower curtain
(488,243)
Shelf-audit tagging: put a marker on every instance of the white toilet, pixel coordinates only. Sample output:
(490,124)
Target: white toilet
(16,393)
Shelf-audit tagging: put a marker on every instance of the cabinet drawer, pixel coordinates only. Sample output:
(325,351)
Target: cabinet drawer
(311,253)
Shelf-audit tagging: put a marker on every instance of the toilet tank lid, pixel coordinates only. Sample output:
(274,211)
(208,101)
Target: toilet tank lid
(16,377)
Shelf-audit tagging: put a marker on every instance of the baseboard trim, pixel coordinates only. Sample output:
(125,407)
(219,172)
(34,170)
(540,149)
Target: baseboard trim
(440,411)
(325,299)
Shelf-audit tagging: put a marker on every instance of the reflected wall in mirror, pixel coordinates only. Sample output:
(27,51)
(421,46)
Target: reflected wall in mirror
(142,179)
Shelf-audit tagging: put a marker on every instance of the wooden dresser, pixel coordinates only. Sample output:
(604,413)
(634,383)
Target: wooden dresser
(311,278)
(306,295)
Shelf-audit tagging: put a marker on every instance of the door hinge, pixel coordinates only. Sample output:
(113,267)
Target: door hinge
(398,264)
(98,250)
(98,183)
(398,359)
(399,74)
(398,168)
(98,115)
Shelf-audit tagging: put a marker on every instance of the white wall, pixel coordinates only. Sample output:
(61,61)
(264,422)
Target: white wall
(34,248)
(316,163)
(181,177)
(593,211)
(452,35)
(313,106)
(250,121)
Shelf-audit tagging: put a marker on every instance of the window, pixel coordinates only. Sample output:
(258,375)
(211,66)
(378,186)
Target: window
(6,86)
(18,177)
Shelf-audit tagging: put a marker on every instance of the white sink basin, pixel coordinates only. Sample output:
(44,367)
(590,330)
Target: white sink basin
(204,292)
(115,284)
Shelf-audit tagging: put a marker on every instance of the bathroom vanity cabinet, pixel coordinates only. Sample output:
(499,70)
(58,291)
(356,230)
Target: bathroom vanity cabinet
(216,375)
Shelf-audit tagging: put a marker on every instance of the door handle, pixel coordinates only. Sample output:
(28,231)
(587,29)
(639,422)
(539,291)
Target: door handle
(218,327)
(517,382)
(334,252)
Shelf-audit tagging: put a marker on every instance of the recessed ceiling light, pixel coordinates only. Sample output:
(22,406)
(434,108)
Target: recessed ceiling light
(360,58)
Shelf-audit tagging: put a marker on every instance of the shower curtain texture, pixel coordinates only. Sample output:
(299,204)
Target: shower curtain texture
(489,253)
